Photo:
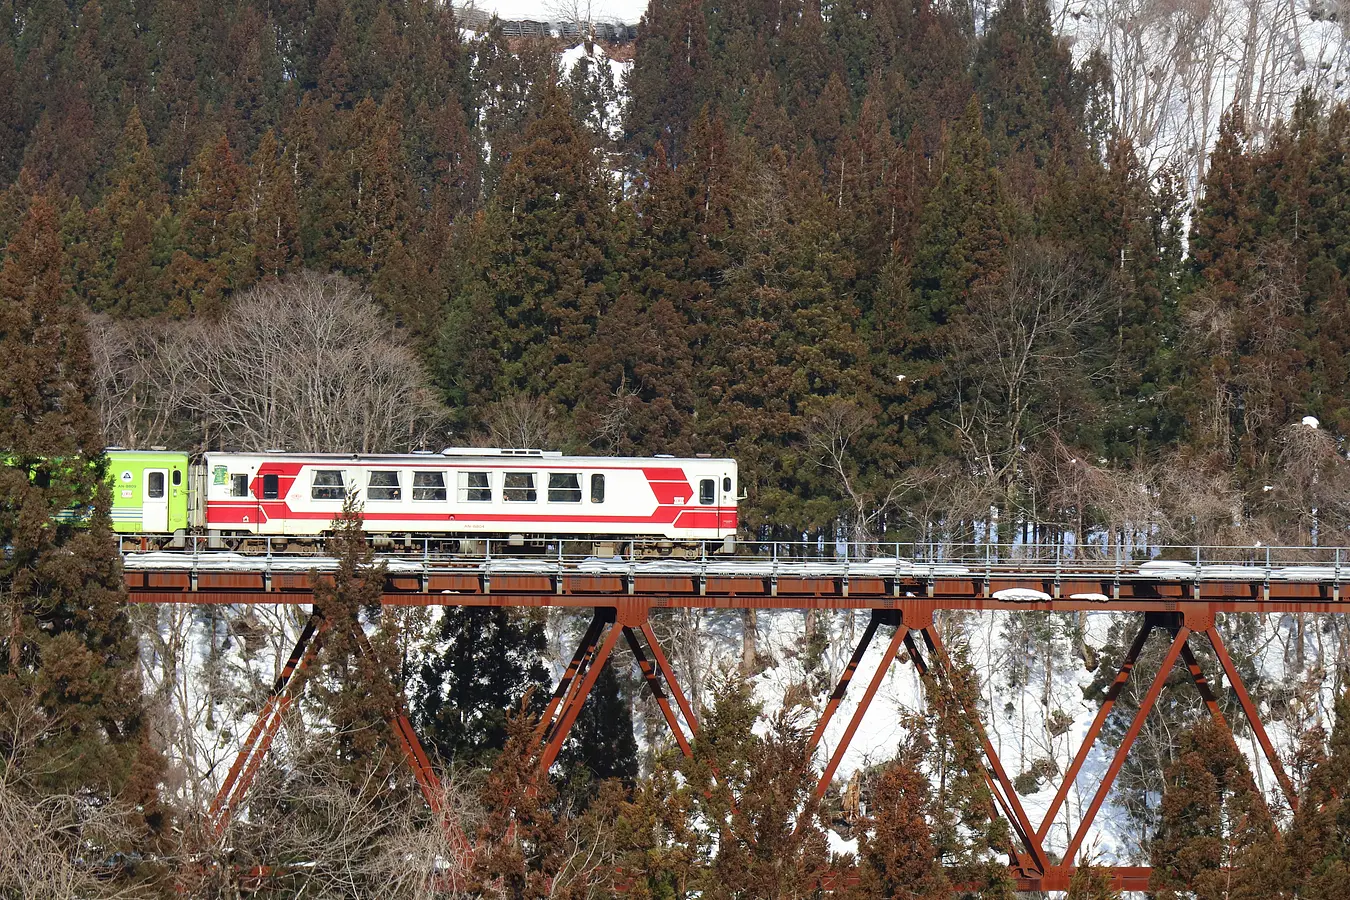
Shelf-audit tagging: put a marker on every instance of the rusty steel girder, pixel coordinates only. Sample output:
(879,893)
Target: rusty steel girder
(1181,608)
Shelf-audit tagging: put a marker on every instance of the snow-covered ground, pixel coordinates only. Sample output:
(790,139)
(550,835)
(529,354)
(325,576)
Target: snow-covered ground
(626,12)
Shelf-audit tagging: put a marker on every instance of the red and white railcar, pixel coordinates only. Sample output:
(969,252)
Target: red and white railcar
(471,493)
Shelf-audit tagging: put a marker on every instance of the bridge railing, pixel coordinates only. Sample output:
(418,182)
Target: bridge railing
(877,558)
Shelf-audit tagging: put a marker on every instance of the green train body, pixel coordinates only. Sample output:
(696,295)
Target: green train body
(149,491)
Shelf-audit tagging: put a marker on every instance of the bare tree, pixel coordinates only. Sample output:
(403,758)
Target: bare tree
(145,384)
(1177,65)
(831,434)
(1310,492)
(1016,341)
(56,846)
(309,363)
(325,836)
(522,421)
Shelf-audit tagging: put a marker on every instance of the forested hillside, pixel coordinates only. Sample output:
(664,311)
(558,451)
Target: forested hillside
(870,253)
(899,260)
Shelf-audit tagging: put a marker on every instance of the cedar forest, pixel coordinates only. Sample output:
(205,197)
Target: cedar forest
(897,265)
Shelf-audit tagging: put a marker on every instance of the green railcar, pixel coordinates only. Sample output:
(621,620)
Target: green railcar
(149,491)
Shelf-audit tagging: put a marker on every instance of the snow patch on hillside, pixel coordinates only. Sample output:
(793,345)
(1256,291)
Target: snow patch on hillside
(625,12)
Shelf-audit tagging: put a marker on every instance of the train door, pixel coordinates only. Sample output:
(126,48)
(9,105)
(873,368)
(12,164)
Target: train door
(155,502)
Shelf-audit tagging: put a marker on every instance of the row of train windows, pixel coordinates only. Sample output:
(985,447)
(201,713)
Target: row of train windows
(473,487)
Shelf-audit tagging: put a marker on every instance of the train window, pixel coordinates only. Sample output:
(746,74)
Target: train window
(154,485)
(597,489)
(271,487)
(564,487)
(383,486)
(328,485)
(707,491)
(428,486)
(177,477)
(726,484)
(239,485)
(519,488)
(474,487)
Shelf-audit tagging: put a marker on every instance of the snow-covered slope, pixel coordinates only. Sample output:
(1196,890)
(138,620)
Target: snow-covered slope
(626,12)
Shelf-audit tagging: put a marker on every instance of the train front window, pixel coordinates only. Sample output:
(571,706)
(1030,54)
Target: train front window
(328,485)
(519,488)
(154,488)
(564,487)
(474,487)
(726,484)
(238,485)
(271,487)
(597,489)
(383,486)
(707,491)
(428,486)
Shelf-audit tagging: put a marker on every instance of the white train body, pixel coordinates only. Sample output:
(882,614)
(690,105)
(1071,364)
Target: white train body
(470,493)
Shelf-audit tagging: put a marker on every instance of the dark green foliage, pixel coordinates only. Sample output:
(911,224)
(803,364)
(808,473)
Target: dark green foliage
(484,661)
(73,721)
(601,743)
(1319,839)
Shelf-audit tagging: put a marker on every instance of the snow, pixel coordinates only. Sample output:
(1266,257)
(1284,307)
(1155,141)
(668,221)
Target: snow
(627,12)
(1311,421)
(1021,595)
(1091,597)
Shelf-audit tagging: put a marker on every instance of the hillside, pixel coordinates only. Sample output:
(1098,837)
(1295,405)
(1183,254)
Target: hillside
(928,271)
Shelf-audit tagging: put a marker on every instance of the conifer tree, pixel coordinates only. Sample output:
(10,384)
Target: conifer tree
(544,274)
(1091,883)
(1319,839)
(213,256)
(1213,820)
(479,666)
(896,849)
(124,279)
(355,678)
(69,683)
(601,743)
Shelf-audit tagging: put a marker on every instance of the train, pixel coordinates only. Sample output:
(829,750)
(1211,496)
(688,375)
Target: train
(454,500)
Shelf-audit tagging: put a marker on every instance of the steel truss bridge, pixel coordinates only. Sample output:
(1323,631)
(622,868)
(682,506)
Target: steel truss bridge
(1179,591)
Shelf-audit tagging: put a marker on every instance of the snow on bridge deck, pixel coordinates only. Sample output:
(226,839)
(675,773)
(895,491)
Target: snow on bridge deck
(1263,580)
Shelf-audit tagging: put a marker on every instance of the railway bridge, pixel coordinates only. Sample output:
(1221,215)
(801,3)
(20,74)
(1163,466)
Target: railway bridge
(1179,591)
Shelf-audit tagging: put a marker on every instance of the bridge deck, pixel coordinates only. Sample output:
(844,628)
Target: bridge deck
(1263,585)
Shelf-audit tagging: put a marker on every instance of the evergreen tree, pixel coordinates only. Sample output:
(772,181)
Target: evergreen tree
(354,679)
(1319,839)
(1214,819)
(1091,883)
(544,274)
(124,279)
(69,680)
(601,743)
(481,664)
(896,849)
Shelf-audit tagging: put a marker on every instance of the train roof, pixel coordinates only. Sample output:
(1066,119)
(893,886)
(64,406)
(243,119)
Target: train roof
(497,453)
